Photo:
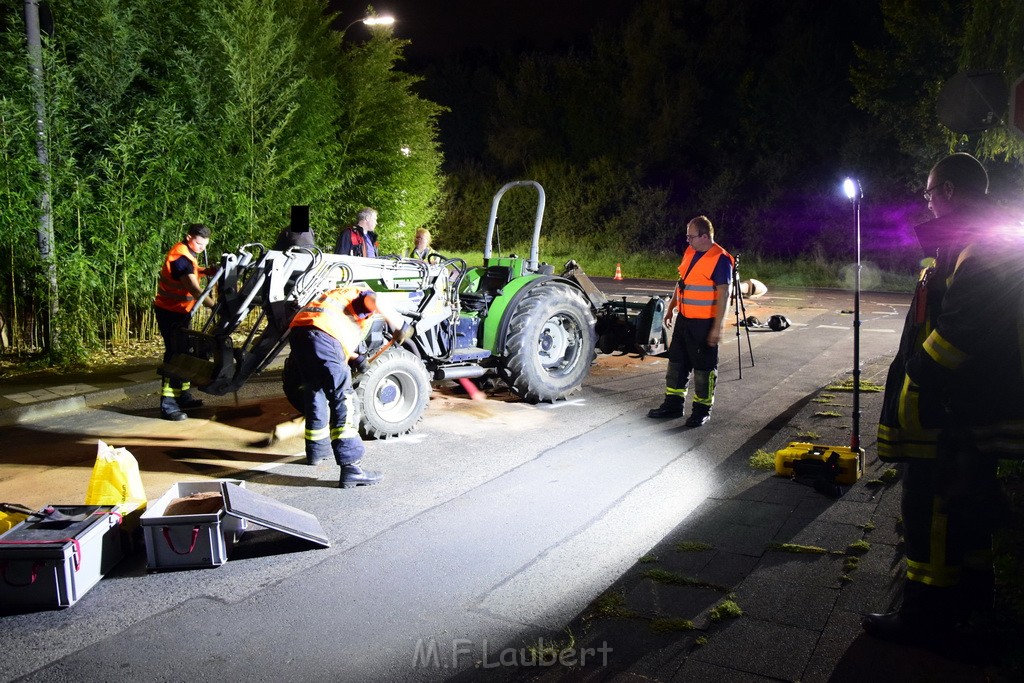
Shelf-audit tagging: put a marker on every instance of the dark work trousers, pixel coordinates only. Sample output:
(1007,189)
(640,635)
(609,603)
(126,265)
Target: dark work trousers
(331,420)
(170,325)
(950,510)
(689,352)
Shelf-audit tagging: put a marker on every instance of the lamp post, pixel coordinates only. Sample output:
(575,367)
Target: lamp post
(45,235)
(855,194)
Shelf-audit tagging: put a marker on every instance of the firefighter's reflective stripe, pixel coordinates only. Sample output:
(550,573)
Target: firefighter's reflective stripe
(1003,439)
(933,575)
(910,401)
(169,391)
(898,444)
(704,387)
(350,429)
(935,572)
(942,352)
(317,434)
(171,295)
(696,298)
(670,391)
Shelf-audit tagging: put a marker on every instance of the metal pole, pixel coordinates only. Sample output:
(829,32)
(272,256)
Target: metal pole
(855,437)
(45,232)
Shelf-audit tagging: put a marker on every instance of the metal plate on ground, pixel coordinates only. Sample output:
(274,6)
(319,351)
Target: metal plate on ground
(273,514)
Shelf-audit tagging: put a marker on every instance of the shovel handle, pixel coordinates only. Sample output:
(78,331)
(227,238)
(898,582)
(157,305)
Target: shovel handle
(382,350)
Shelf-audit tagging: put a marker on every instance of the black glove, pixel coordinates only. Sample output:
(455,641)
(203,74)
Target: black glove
(359,364)
(405,334)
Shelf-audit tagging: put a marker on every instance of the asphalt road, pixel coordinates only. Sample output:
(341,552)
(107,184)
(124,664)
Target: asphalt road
(496,523)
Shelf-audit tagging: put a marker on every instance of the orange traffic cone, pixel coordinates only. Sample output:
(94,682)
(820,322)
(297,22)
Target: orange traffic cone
(618,272)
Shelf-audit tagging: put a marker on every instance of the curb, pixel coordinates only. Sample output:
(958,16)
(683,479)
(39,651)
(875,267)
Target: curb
(10,417)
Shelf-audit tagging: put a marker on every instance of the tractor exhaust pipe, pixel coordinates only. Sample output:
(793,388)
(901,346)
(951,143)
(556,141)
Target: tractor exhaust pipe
(459,372)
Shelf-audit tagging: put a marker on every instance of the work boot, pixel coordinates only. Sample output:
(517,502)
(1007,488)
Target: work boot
(187,401)
(353,475)
(170,410)
(925,619)
(668,408)
(701,415)
(899,626)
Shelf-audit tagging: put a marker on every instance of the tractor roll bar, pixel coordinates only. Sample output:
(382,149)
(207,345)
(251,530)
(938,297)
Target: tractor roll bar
(533,265)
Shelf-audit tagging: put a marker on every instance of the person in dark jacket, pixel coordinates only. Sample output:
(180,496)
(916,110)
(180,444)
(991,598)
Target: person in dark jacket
(954,404)
(359,239)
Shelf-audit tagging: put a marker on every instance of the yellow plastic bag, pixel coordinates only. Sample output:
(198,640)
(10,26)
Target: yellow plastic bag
(115,480)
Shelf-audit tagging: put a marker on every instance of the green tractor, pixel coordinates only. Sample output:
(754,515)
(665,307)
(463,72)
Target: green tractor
(511,319)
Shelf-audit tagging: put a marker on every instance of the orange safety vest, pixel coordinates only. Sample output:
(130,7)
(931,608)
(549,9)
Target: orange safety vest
(696,298)
(335,314)
(171,295)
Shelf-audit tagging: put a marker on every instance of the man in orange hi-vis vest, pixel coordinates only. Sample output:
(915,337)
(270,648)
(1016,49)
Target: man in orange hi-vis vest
(701,298)
(324,336)
(178,289)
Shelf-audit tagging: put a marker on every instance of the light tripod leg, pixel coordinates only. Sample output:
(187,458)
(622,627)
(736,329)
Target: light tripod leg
(740,308)
(736,305)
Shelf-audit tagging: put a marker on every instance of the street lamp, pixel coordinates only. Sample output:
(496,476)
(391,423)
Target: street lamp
(386,20)
(853,192)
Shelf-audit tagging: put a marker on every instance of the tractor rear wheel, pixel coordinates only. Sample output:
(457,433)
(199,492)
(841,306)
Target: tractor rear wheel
(392,394)
(550,343)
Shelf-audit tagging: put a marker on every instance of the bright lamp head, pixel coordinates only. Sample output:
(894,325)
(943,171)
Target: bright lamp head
(851,188)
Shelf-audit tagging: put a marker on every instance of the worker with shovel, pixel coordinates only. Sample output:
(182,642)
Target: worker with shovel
(324,336)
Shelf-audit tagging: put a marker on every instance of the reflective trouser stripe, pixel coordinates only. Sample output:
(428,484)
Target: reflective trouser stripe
(350,429)
(704,387)
(675,380)
(317,434)
(935,573)
(167,390)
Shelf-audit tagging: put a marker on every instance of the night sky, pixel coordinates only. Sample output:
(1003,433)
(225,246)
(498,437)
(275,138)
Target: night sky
(440,28)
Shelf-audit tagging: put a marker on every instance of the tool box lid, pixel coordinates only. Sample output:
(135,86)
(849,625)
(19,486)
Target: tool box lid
(50,531)
(272,514)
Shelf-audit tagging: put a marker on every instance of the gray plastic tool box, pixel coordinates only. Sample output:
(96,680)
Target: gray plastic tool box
(205,540)
(56,555)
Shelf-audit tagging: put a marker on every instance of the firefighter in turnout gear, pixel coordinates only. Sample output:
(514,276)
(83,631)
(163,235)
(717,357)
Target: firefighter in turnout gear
(702,298)
(324,337)
(178,290)
(954,405)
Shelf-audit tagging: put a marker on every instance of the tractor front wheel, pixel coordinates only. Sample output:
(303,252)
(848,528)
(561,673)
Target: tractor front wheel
(392,394)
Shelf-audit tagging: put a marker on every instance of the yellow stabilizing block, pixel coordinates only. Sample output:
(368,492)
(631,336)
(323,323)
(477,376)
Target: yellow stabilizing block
(11,515)
(850,461)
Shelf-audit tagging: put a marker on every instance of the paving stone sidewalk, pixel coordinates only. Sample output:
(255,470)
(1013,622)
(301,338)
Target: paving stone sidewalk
(766,581)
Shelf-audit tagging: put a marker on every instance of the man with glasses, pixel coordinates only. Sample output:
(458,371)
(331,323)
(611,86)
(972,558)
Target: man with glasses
(953,405)
(701,297)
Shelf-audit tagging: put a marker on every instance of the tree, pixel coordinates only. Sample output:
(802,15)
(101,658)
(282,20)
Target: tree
(389,157)
(162,113)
